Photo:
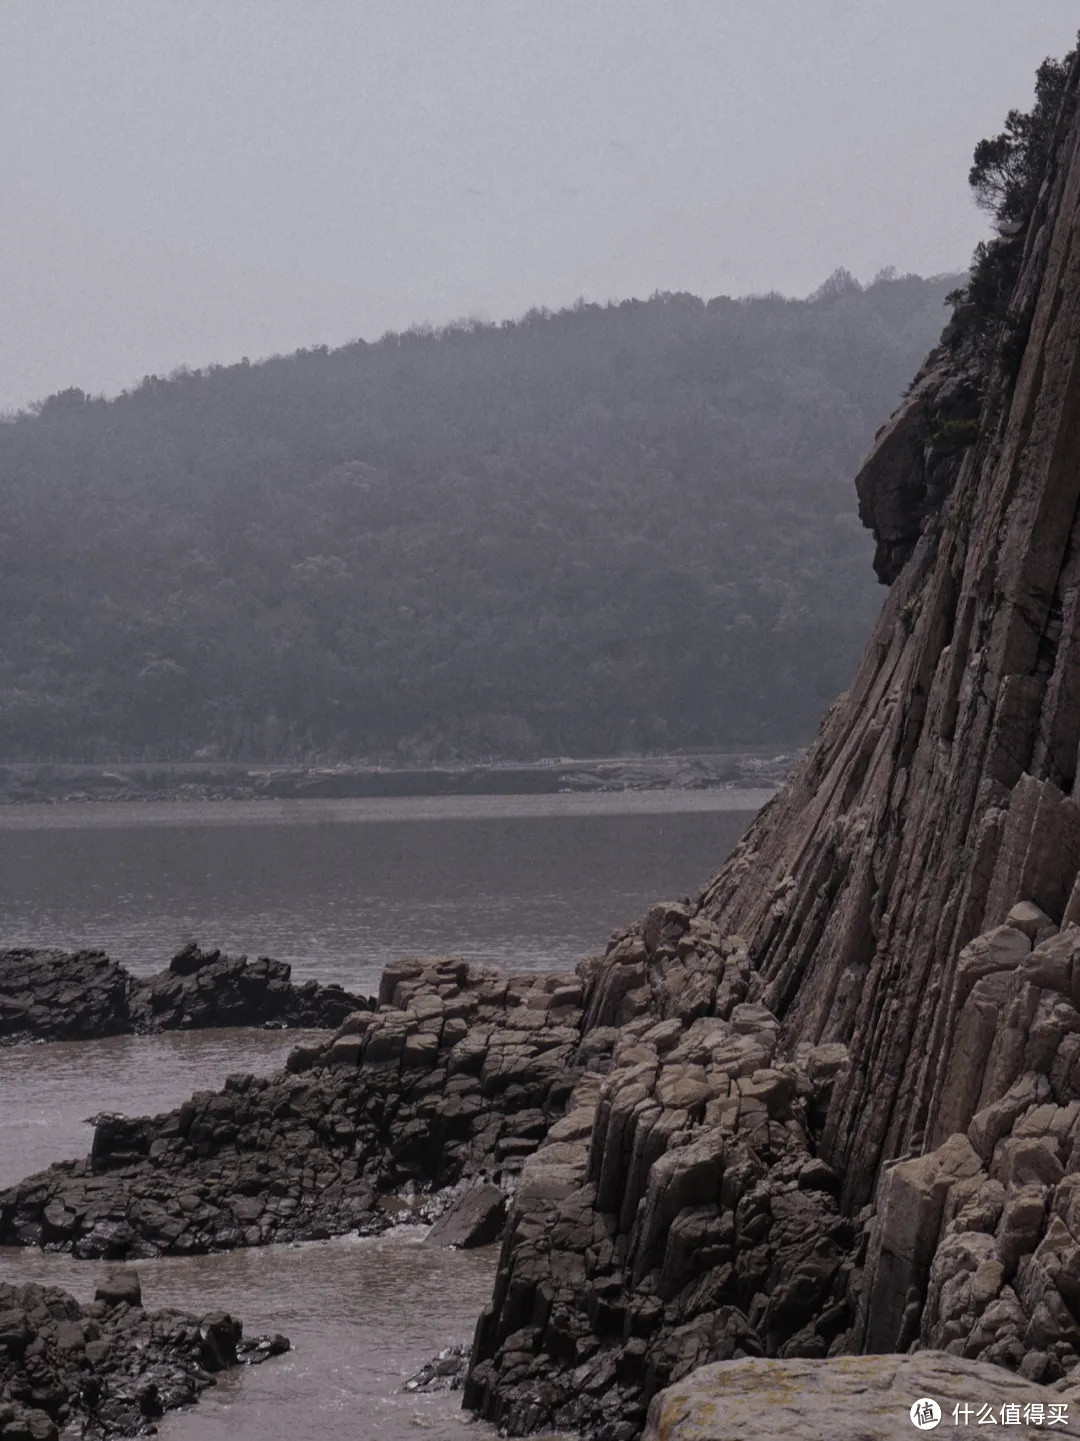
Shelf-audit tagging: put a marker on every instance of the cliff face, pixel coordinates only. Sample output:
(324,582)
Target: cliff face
(898,1161)
(938,794)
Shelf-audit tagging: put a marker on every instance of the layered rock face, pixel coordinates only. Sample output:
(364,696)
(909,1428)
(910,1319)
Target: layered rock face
(56,996)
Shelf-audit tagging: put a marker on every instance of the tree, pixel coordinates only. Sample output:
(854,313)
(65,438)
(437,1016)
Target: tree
(1007,168)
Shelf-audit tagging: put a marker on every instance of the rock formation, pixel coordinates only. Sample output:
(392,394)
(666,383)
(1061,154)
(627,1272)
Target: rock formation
(460,1074)
(906,909)
(110,1368)
(56,996)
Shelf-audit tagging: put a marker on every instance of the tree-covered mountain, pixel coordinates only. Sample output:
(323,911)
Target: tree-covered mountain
(610,529)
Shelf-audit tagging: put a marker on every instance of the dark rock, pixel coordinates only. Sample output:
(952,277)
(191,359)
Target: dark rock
(445,1373)
(475,1218)
(109,1369)
(52,995)
(459,1079)
(120,1288)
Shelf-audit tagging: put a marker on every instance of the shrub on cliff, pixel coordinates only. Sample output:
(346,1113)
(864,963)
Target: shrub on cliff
(1005,177)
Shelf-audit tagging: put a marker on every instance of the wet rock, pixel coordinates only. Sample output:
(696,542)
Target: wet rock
(457,1079)
(53,995)
(108,1369)
(121,1288)
(445,1373)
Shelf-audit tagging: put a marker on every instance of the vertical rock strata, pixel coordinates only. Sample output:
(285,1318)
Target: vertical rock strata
(897,1162)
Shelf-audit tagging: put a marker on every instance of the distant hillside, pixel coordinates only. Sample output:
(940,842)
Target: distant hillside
(612,529)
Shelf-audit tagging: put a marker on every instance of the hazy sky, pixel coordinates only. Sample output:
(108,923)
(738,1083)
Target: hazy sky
(184,182)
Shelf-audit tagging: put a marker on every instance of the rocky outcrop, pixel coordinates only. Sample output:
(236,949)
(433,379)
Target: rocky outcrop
(55,996)
(110,1368)
(917,455)
(677,1214)
(459,1074)
(49,995)
(853,1398)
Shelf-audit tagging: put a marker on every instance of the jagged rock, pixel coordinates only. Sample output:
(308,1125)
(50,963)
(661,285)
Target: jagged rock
(409,1094)
(53,995)
(109,1368)
(892,485)
(445,1373)
(852,1398)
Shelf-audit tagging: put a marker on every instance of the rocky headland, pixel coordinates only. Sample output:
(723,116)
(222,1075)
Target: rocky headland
(48,995)
(110,1368)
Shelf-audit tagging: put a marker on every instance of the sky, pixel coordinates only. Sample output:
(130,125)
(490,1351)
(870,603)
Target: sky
(187,182)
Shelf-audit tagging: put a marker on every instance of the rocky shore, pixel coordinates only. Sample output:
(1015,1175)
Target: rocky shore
(41,782)
(110,1368)
(661,1147)
(459,1075)
(59,996)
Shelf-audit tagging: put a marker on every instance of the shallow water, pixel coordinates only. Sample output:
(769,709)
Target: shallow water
(49,1092)
(362,1316)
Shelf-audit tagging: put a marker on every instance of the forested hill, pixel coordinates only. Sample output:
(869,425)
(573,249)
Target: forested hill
(611,529)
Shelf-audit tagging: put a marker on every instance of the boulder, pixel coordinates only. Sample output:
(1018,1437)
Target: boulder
(852,1398)
(120,1288)
(475,1218)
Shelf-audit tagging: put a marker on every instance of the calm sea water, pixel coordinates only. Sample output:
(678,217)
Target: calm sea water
(338,889)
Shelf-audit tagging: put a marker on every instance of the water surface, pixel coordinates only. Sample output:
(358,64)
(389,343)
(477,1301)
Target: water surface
(362,1316)
(338,888)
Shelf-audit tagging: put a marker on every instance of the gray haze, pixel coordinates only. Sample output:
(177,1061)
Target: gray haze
(185,182)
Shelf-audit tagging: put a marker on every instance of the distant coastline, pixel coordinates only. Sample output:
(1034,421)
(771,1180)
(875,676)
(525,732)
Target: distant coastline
(42,782)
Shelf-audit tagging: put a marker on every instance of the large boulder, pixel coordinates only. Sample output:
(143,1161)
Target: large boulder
(855,1398)
(475,1218)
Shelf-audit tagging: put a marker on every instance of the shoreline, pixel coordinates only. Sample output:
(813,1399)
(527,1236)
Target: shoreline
(78,814)
(42,783)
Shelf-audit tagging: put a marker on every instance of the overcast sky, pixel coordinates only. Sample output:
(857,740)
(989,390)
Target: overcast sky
(185,182)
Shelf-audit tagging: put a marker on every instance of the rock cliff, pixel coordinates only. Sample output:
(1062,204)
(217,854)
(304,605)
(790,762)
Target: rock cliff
(897,1166)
